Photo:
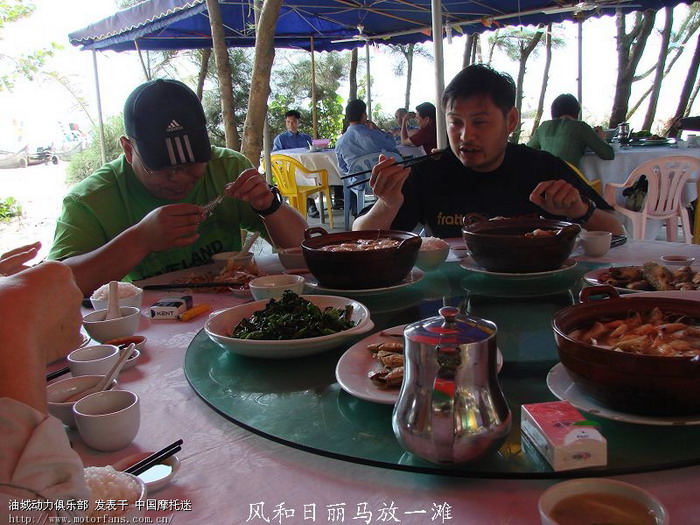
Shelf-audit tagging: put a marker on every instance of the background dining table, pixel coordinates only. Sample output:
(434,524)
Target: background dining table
(233,474)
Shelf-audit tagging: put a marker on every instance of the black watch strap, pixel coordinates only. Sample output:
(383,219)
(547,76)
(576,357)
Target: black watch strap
(274,206)
(589,212)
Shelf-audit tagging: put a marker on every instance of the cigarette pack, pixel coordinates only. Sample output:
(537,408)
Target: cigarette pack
(170,307)
(561,434)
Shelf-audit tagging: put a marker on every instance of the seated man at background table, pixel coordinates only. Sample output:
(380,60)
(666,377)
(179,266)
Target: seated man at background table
(426,136)
(293,138)
(566,136)
(141,214)
(396,130)
(362,137)
(41,320)
(481,172)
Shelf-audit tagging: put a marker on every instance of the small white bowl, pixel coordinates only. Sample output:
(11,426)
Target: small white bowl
(93,360)
(134,510)
(156,477)
(291,258)
(221,259)
(138,340)
(108,420)
(103,330)
(566,489)
(431,259)
(677,260)
(60,390)
(273,286)
(132,300)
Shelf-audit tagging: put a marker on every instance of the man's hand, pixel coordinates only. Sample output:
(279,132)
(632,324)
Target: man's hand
(558,197)
(170,226)
(387,179)
(15,260)
(251,187)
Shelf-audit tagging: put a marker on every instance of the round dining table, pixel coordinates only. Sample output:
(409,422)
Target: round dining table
(292,447)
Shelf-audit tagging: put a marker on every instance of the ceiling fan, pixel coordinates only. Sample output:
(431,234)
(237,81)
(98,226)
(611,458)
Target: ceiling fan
(360,36)
(587,7)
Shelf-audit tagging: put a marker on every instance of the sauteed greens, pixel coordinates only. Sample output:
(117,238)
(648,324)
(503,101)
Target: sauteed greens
(292,317)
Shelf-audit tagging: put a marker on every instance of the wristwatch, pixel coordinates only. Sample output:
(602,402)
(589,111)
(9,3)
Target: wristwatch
(274,206)
(589,212)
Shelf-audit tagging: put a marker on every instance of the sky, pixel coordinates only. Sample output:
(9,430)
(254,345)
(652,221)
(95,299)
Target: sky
(40,105)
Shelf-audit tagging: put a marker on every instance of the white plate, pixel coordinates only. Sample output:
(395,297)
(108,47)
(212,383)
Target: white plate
(562,386)
(412,278)
(469,264)
(197,271)
(154,478)
(223,322)
(592,277)
(354,366)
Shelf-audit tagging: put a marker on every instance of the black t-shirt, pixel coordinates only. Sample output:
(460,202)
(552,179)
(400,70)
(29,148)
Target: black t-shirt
(438,193)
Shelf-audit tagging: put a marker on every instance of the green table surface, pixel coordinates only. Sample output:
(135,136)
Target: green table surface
(298,402)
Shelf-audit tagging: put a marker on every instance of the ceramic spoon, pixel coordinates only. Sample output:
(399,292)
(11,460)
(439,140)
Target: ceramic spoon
(247,246)
(113,310)
(107,380)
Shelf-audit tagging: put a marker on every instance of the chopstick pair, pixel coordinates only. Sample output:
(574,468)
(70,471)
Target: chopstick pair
(174,286)
(155,458)
(406,163)
(57,373)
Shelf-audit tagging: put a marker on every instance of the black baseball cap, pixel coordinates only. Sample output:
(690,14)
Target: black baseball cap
(166,121)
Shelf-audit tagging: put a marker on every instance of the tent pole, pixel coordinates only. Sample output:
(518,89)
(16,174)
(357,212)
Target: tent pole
(314,111)
(143,64)
(369,83)
(580,65)
(103,153)
(439,72)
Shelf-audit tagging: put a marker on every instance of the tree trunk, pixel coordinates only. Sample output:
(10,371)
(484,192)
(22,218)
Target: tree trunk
(687,87)
(223,68)
(260,80)
(630,47)
(352,95)
(545,78)
(409,75)
(525,52)
(471,45)
(203,69)
(659,75)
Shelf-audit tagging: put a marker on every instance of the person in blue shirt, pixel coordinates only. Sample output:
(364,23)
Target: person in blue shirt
(292,138)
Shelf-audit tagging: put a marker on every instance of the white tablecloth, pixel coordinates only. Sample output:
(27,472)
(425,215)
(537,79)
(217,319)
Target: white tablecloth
(231,475)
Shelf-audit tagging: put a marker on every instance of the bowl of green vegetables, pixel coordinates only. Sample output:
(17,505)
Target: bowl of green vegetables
(292,326)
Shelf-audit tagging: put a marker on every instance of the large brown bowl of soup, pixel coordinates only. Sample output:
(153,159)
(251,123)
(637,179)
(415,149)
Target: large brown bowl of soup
(638,355)
(360,260)
(519,245)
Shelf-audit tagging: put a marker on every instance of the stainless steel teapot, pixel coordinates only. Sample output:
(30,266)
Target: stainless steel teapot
(451,408)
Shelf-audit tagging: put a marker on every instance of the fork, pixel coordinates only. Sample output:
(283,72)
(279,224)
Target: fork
(211,206)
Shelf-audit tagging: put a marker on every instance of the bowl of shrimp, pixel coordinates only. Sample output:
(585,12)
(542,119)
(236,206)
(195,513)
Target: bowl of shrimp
(636,354)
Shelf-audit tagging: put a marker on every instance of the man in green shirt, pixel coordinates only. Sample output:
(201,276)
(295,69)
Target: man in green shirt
(142,214)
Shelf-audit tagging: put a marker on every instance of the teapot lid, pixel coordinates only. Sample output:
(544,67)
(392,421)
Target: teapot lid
(450,326)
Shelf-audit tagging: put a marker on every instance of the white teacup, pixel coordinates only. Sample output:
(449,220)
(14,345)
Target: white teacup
(93,360)
(108,420)
(596,243)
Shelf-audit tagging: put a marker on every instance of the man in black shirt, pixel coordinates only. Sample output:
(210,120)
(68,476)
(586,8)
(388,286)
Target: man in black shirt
(481,171)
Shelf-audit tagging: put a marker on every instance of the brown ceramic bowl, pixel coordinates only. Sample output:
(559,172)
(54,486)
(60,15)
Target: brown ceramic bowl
(357,270)
(500,245)
(631,383)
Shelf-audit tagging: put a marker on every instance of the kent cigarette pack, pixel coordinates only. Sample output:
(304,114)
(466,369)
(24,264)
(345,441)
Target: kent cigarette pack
(171,307)
(561,435)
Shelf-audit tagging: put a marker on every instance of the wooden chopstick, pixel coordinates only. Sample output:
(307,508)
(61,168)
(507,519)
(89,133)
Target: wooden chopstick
(155,458)
(405,162)
(57,373)
(173,286)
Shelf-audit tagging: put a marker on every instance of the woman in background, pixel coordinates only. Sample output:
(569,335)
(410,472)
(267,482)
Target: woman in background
(567,137)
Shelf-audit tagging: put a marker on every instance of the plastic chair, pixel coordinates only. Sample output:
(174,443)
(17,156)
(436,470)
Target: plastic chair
(356,194)
(284,171)
(596,184)
(667,176)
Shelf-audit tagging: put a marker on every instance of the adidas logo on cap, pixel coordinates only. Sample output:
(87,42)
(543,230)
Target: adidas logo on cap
(173,126)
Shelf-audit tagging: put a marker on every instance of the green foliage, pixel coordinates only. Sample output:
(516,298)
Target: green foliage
(89,160)
(9,207)
(11,10)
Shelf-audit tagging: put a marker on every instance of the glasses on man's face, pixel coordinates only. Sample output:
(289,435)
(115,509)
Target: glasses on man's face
(167,172)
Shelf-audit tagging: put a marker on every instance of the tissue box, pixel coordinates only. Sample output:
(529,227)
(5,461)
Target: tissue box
(553,429)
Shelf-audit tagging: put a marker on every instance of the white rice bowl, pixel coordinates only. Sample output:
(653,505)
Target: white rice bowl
(109,485)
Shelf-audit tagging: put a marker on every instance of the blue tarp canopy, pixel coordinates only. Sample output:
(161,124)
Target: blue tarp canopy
(184,24)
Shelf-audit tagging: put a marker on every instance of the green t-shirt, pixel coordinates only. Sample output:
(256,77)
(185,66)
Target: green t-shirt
(112,199)
(568,139)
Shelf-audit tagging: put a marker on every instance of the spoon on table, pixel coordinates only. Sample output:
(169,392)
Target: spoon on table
(113,310)
(106,380)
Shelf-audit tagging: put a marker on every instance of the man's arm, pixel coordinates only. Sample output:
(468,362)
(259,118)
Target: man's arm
(386,182)
(405,135)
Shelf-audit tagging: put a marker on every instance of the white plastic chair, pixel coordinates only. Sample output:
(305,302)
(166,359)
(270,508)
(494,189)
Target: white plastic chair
(667,177)
(363,163)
